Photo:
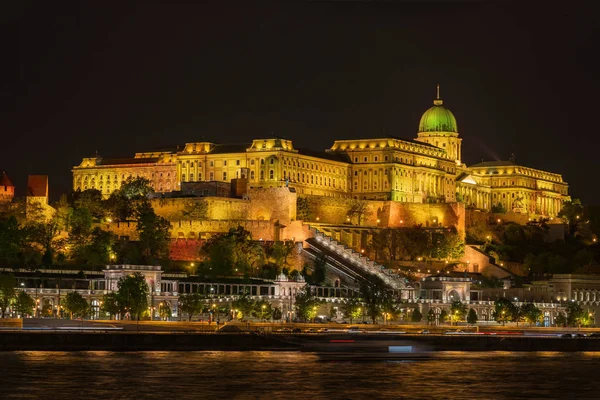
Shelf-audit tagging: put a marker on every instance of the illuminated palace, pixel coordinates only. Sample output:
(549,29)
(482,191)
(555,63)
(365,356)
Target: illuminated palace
(426,169)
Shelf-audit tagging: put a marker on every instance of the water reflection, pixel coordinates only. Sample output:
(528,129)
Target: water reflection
(292,375)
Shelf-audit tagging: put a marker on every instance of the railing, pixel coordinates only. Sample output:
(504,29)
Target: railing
(366,264)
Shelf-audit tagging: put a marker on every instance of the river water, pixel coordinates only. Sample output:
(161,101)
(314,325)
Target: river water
(292,375)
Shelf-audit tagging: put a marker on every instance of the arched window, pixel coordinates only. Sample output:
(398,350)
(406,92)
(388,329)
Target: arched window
(262,175)
(262,161)
(272,161)
(271,173)
(252,162)
(252,175)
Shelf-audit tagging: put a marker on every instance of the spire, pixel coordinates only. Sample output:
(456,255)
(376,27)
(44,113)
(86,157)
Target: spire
(438,101)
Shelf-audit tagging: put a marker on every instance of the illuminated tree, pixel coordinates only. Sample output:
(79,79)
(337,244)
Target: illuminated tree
(233,250)
(263,310)
(443,316)
(575,314)
(110,304)
(277,314)
(12,240)
(431,316)
(132,294)
(416,316)
(134,188)
(46,308)
(352,308)
(244,305)
(280,252)
(306,305)
(504,310)
(447,245)
(358,210)
(530,313)
(472,317)
(154,234)
(458,311)
(572,213)
(75,304)
(498,208)
(164,310)
(24,304)
(191,304)
(375,297)
(7,292)
(90,200)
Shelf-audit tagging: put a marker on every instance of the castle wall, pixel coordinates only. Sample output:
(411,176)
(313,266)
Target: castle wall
(478,262)
(262,204)
(7,193)
(37,207)
(391,214)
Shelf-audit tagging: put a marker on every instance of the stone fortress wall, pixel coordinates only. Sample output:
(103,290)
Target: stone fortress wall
(260,204)
(388,214)
(270,215)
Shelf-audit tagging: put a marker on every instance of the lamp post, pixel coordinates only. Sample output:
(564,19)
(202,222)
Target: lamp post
(262,314)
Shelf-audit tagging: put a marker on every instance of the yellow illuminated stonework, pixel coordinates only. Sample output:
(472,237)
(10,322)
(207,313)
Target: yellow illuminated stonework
(106,175)
(428,169)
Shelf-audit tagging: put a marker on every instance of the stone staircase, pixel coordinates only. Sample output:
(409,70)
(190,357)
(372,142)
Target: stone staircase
(359,261)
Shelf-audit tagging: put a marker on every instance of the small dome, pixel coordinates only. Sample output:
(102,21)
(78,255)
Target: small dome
(282,278)
(438,119)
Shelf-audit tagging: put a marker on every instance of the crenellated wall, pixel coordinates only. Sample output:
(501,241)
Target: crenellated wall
(186,229)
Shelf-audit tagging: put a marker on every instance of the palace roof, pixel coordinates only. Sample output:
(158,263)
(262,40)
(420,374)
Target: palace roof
(128,160)
(438,119)
(493,164)
(340,157)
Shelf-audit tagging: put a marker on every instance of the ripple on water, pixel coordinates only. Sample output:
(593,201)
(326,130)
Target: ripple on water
(293,375)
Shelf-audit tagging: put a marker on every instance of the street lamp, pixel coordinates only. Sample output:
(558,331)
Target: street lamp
(263,312)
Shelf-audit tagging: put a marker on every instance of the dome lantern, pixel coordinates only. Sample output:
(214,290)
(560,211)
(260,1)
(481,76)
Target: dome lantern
(438,118)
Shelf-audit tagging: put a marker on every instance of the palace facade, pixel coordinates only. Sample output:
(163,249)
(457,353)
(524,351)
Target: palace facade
(427,169)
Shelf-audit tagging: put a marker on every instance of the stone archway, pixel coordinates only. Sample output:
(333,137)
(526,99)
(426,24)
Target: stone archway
(453,295)
(95,309)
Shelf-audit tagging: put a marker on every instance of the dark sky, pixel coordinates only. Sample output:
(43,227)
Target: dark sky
(116,77)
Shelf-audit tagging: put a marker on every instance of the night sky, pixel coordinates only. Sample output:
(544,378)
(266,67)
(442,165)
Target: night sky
(118,78)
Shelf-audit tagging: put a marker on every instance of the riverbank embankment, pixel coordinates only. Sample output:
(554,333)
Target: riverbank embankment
(144,341)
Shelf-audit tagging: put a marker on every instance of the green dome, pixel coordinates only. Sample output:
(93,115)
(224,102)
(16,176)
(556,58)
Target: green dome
(438,119)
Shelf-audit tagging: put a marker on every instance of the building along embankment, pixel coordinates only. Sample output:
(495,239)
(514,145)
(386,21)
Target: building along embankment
(126,341)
